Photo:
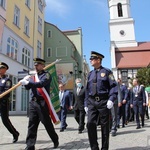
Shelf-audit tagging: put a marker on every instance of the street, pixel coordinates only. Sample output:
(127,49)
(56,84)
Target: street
(128,138)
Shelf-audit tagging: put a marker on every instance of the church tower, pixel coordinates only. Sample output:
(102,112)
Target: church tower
(121,27)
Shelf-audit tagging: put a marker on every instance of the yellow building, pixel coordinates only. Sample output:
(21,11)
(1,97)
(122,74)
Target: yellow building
(22,40)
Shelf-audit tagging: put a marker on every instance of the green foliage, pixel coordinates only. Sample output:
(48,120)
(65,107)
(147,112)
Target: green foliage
(143,76)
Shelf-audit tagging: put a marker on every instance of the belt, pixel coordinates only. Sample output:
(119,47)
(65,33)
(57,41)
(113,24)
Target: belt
(36,99)
(99,98)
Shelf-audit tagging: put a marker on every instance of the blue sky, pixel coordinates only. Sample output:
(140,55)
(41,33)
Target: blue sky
(93,17)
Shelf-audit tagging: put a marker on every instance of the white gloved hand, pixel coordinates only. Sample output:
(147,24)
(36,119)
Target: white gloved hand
(86,109)
(24,82)
(27,77)
(109,104)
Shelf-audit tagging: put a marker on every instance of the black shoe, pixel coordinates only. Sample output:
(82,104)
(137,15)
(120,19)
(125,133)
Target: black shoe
(65,127)
(62,130)
(56,144)
(142,124)
(15,139)
(138,127)
(113,133)
(118,126)
(123,126)
(80,132)
(30,148)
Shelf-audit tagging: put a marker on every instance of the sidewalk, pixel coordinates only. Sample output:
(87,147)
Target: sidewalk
(128,138)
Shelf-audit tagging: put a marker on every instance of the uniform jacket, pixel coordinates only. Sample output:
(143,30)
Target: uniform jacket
(124,92)
(45,80)
(5,84)
(78,100)
(106,84)
(138,96)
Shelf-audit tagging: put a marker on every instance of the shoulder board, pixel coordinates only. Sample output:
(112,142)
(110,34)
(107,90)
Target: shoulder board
(107,69)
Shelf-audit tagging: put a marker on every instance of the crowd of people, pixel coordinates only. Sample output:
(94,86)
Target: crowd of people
(107,102)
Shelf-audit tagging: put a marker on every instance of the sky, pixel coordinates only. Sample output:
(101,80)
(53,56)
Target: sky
(93,17)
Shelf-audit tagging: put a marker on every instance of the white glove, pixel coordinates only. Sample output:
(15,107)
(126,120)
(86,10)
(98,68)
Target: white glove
(27,77)
(109,104)
(86,109)
(24,82)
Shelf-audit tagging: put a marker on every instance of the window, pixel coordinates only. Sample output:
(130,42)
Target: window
(39,24)
(49,34)
(61,52)
(49,52)
(26,57)
(16,16)
(26,26)
(40,5)
(24,99)
(12,106)
(12,48)
(120,13)
(39,47)
(27,2)
(2,3)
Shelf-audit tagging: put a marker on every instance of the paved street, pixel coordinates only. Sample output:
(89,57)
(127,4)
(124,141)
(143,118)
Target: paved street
(128,138)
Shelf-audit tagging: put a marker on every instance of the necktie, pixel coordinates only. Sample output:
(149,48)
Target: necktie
(78,90)
(94,88)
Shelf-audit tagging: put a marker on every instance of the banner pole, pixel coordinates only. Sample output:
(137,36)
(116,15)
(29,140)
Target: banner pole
(18,84)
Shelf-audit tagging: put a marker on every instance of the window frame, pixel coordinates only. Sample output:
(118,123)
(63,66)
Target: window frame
(26,25)
(12,52)
(16,16)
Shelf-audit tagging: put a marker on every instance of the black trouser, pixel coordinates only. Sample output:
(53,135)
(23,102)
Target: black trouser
(38,111)
(96,109)
(131,114)
(79,116)
(4,106)
(127,111)
(138,109)
(114,110)
(121,114)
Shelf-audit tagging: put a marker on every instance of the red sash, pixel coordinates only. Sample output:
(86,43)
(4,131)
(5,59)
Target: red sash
(47,99)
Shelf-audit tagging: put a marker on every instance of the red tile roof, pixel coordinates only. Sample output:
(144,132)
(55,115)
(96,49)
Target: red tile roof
(133,57)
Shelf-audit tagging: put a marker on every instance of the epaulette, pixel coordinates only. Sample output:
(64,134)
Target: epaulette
(107,69)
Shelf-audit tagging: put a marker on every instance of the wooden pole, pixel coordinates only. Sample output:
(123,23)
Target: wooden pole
(18,84)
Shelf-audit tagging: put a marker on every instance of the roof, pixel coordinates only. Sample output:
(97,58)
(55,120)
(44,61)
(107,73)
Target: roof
(133,57)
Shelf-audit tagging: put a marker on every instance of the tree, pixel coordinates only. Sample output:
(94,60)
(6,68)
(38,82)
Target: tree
(143,76)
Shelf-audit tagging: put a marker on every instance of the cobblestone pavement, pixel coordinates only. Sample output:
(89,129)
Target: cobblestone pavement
(128,138)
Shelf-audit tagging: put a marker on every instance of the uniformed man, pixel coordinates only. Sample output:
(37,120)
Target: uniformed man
(5,84)
(101,92)
(38,109)
(138,101)
(122,107)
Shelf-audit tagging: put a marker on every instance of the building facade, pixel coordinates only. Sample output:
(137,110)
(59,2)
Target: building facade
(22,40)
(127,55)
(67,46)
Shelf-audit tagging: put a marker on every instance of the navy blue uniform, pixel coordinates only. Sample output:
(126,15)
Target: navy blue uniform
(137,99)
(5,84)
(106,90)
(121,109)
(38,110)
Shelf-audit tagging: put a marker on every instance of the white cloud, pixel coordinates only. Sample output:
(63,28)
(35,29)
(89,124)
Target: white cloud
(58,7)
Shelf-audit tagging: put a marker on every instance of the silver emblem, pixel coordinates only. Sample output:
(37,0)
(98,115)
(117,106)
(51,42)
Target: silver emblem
(3,81)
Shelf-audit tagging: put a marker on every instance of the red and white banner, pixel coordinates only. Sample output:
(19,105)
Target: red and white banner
(47,99)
